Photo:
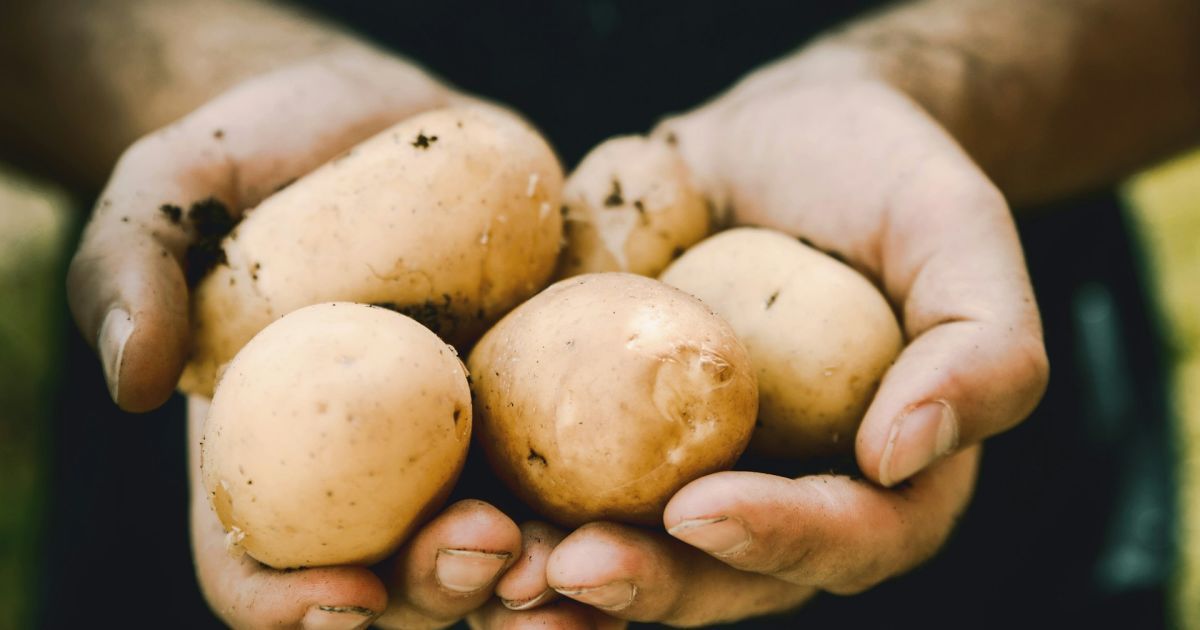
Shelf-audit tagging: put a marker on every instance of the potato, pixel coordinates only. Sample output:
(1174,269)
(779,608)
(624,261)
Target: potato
(450,217)
(333,434)
(630,206)
(603,395)
(820,334)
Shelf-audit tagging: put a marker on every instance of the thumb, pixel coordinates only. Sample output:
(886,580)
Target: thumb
(126,286)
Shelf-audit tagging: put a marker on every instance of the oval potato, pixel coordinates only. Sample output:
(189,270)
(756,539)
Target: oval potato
(604,394)
(332,434)
(630,206)
(820,334)
(450,217)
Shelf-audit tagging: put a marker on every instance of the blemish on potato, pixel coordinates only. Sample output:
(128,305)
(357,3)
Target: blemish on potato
(423,141)
(614,197)
(535,457)
(771,300)
(173,212)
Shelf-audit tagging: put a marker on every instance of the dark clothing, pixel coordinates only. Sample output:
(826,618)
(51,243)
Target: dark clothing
(1072,521)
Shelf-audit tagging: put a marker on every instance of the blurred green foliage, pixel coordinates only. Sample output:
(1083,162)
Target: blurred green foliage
(35,227)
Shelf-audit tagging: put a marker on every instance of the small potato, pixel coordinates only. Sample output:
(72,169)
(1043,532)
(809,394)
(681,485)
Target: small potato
(820,335)
(630,206)
(604,394)
(450,217)
(333,434)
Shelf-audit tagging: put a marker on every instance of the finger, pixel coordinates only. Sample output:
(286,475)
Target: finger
(639,575)
(451,565)
(831,532)
(126,284)
(559,615)
(524,585)
(246,594)
(976,363)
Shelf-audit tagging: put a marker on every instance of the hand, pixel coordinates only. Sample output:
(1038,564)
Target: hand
(858,169)
(128,293)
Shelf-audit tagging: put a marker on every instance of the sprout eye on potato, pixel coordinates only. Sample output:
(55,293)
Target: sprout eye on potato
(603,395)
(630,206)
(333,433)
(820,335)
(450,216)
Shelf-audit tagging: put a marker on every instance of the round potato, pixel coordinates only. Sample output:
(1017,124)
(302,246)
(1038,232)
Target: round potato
(333,433)
(820,334)
(603,395)
(630,206)
(450,217)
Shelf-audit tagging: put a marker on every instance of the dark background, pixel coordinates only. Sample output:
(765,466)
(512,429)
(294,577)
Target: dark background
(1072,525)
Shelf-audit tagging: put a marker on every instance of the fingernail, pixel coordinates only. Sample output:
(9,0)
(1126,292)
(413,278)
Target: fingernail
(337,618)
(464,571)
(720,536)
(918,438)
(613,596)
(525,604)
(114,332)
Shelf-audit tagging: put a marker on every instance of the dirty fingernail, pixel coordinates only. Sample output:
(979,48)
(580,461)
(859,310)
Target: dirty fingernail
(720,536)
(613,596)
(114,332)
(465,571)
(337,618)
(918,438)
(525,604)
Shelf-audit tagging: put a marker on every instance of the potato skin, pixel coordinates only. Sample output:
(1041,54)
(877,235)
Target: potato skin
(451,217)
(333,434)
(820,335)
(604,394)
(630,206)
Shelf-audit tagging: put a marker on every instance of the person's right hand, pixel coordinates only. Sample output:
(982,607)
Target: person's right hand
(128,293)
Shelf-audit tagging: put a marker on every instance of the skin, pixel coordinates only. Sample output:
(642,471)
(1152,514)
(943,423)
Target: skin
(947,123)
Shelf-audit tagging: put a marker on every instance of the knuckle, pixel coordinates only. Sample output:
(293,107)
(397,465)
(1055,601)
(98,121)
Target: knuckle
(796,564)
(1029,370)
(1037,362)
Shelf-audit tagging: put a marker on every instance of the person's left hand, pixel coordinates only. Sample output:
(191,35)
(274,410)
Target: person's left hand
(821,149)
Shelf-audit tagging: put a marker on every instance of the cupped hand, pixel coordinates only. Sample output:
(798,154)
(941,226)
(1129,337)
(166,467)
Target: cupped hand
(858,169)
(129,294)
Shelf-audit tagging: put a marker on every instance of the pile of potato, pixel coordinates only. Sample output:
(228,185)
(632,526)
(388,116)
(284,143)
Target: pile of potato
(330,340)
